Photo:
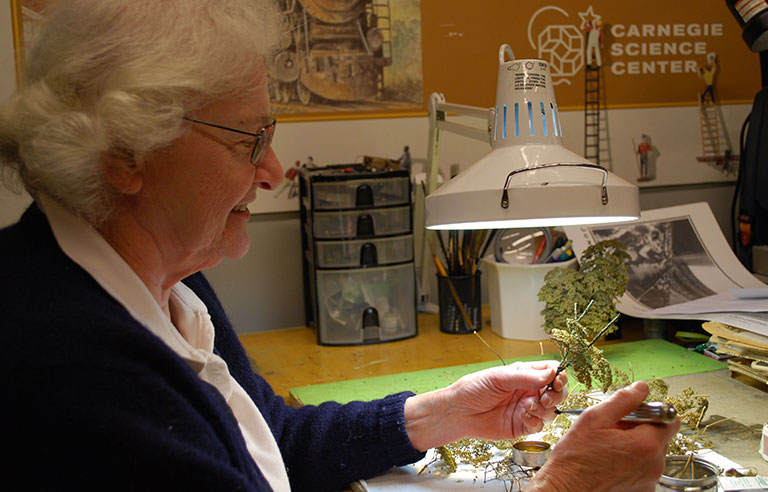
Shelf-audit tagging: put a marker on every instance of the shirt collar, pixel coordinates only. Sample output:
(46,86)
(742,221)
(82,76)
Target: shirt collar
(191,333)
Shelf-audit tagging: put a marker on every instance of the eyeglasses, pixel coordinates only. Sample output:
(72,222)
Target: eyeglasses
(263,136)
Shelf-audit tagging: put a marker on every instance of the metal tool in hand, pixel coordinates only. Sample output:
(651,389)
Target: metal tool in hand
(654,412)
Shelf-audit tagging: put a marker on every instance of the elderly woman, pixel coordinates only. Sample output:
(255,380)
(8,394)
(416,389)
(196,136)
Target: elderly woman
(143,132)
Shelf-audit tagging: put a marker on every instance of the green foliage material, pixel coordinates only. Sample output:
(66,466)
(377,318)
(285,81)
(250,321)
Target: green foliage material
(580,305)
(602,278)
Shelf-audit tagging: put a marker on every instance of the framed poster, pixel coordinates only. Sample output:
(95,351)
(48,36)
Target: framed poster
(347,59)
(338,58)
(25,16)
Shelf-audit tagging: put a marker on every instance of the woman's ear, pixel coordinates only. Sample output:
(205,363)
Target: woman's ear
(122,173)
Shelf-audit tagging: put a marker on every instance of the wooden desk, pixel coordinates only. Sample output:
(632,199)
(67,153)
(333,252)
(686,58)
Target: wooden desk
(292,358)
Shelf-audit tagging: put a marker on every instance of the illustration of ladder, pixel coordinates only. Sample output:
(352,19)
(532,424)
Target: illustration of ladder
(379,11)
(715,146)
(592,113)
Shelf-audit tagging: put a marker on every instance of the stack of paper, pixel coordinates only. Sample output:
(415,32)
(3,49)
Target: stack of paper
(749,349)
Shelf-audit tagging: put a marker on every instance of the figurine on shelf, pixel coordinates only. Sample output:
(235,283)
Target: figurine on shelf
(290,181)
(594,30)
(405,159)
(708,73)
(642,150)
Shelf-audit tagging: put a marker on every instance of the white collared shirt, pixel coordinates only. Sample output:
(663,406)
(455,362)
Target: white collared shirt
(190,335)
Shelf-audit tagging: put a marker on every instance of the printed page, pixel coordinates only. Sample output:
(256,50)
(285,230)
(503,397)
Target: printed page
(679,257)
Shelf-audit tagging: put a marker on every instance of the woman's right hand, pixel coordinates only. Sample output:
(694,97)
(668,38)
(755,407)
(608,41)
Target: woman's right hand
(601,454)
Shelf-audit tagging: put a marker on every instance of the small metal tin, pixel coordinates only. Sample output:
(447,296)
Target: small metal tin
(678,477)
(530,453)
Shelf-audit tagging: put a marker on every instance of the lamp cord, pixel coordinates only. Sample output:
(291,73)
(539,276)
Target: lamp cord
(742,160)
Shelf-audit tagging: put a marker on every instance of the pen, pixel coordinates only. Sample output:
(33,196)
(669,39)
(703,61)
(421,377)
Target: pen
(539,250)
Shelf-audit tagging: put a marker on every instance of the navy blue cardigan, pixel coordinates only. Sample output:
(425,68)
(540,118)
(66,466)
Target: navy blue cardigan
(94,401)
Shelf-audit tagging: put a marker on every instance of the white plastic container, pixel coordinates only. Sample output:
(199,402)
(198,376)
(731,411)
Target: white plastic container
(513,291)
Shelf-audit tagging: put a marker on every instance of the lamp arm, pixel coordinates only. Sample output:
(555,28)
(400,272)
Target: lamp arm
(437,110)
(604,186)
(462,109)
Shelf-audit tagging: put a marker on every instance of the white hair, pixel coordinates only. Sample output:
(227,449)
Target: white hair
(117,77)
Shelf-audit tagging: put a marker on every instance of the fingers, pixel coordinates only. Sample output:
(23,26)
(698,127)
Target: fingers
(539,364)
(619,404)
(659,433)
(555,393)
(552,398)
(544,410)
(532,375)
(534,415)
(532,424)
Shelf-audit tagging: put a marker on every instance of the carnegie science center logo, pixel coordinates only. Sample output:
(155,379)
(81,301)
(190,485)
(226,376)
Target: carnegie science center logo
(569,41)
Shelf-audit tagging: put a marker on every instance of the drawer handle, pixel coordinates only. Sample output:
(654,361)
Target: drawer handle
(369,255)
(364,196)
(365,227)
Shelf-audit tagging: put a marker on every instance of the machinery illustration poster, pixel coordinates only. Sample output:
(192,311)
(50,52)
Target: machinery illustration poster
(649,54)
(346,57)
(337,58)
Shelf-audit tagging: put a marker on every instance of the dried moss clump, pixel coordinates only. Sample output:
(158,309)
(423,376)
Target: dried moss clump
(555,429)
(472,451)
(690,407)
(658,390)
(687,443)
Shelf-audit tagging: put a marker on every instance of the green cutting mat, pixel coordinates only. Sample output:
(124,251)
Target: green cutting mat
(650,359)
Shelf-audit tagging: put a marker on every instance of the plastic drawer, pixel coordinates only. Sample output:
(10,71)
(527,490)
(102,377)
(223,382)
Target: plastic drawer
(366,305)
(364,252)
(360,193)
(362,223)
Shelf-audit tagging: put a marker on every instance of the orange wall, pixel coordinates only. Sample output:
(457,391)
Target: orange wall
(651,50)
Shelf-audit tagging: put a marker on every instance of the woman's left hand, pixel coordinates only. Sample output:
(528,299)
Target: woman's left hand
(497,403)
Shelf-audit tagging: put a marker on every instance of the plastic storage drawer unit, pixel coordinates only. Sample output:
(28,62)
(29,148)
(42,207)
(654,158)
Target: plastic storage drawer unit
(357,254)
(368,304)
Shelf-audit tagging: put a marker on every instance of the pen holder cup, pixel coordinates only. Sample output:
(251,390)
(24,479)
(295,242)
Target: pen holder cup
(465,288)
(513,296)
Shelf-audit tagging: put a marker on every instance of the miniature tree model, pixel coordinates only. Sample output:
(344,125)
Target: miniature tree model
(581,307)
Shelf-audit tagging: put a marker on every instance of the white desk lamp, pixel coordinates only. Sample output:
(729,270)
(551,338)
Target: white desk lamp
(528,179)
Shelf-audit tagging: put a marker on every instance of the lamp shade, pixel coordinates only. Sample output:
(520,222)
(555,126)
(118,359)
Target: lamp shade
(529,178)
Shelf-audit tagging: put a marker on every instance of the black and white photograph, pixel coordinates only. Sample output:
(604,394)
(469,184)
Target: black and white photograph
(664,256)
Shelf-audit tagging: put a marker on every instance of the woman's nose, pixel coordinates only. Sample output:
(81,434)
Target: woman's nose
(269,171)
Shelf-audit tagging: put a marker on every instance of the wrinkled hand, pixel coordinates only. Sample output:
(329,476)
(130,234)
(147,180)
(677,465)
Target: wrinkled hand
(497,403)
(601,454)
